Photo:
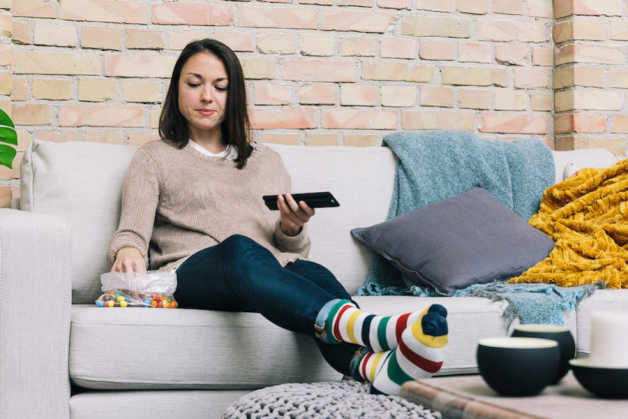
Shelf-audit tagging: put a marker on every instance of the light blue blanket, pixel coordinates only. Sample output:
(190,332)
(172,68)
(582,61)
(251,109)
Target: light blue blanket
(436,165)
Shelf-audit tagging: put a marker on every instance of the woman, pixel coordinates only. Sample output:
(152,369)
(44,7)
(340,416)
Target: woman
(192,202)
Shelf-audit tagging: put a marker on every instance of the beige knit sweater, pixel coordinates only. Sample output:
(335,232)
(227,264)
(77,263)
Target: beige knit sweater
(176,202)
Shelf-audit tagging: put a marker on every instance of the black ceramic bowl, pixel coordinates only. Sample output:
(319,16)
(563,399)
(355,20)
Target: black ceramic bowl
(608,382)
(560,334)
(518,366)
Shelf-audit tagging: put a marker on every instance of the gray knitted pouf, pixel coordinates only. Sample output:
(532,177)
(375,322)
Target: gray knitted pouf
(340,399)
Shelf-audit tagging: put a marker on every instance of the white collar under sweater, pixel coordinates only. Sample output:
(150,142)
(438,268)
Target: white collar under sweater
(229,153)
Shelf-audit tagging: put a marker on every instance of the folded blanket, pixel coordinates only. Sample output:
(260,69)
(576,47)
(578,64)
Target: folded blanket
(587,217)
(436,165)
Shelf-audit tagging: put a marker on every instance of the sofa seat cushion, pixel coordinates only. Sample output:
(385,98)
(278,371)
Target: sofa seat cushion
(146,348)
(190,404)
(469,319)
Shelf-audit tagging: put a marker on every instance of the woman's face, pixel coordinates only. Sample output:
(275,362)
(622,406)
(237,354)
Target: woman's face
(203,93)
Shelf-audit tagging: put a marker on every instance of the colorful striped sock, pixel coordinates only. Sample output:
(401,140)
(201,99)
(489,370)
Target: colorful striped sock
(419,354)
(347,323)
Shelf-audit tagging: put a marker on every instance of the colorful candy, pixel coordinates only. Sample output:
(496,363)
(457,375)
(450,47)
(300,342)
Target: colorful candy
(133,298)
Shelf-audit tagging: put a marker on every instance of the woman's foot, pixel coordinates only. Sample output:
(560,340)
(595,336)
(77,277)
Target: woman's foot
(342,321)
(419,354)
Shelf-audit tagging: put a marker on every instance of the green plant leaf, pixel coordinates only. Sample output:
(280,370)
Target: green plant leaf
(7,154)
(8,135)
(5,119)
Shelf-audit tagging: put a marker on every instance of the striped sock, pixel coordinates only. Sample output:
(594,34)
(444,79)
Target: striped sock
(347,323)
(419,354)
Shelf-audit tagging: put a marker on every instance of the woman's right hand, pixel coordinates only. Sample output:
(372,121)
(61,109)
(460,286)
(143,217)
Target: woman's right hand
(129,259)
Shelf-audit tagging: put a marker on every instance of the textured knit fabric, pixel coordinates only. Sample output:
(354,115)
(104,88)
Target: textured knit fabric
(347,399)
(347,323)
(419,354)
(587,216)
(436,165)
(176,202)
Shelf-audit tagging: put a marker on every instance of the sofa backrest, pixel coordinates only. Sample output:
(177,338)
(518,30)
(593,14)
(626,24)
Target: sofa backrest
(81,182)
(361,178)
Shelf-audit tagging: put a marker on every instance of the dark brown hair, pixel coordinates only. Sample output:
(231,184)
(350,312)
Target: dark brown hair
(173,127)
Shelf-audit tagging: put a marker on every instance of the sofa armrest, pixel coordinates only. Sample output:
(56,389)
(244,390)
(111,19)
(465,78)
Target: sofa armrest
(35,306)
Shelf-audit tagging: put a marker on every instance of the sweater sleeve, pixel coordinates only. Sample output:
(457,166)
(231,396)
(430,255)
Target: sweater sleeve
(295,244)
(140,195)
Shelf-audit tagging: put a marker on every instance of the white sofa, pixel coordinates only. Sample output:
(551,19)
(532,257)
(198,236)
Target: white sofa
(146,363)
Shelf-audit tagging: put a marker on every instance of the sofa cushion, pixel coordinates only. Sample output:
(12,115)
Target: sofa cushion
(80,182)
(471,238)
(190,404)
(361,178)
(568,162)
(143,348)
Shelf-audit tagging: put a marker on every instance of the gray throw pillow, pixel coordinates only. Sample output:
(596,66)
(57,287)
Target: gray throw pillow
(469,239)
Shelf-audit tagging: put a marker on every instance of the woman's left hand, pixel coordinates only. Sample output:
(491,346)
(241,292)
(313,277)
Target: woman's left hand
(293,215)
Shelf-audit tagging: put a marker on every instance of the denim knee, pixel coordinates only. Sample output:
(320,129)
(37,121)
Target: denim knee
(237,240)
(236,245)
(239,253)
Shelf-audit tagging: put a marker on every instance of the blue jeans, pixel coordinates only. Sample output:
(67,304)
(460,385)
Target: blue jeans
(241,275)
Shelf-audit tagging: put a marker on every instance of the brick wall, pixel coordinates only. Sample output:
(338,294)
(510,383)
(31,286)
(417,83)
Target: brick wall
(323,72)
(590,75)
(5,92)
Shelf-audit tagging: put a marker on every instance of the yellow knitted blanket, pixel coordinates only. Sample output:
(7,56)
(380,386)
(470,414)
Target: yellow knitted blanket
(587,217)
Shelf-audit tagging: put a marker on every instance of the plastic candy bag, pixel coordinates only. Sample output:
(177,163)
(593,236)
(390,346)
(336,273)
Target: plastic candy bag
(152,289)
